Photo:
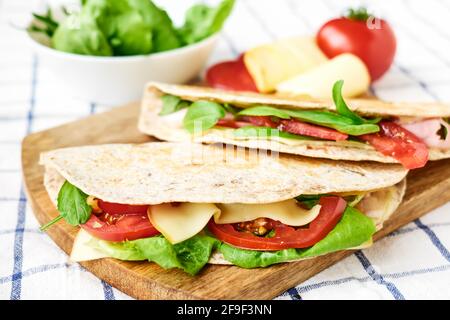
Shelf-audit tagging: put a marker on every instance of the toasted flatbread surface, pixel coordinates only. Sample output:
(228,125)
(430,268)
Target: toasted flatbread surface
(159,172)
(170,127)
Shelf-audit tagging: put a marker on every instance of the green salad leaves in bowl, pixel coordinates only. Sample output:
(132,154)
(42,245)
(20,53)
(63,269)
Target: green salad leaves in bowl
(106,50)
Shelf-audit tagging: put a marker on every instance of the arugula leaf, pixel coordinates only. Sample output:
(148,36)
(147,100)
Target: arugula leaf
(202,21)
(190,255)
(72,206)
(266,132)
(172,104)
(344,110)
(442,132)
(352,230)
(202,115)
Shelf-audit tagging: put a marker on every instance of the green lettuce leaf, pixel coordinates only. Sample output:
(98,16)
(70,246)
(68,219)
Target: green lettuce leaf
(353,229)
(202,21)
(190,255)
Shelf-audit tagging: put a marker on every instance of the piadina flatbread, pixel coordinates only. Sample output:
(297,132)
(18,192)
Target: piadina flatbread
(215,180)
(170,127)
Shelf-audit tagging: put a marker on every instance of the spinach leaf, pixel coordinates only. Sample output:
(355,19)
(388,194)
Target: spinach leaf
(266,132)
(319,117)
(172,104)
(344,110)
(165,36)
(79,34)
(202,21)
(72,206)
(202,115)
(265,111)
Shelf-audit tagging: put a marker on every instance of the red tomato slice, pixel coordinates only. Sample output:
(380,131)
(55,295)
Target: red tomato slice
(231,75)
(285,236)
(120,222)
(260,121)
(306,129)
(230,123)
(399,143)
(117,208)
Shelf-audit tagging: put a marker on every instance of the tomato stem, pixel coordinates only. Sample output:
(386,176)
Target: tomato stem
(358,14)
(44,227)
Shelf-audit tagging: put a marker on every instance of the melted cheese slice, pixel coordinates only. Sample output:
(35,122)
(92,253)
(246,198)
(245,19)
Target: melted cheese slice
(288,212)
(183,221)
(81,251)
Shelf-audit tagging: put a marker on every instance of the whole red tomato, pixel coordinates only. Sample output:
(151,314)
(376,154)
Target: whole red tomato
(363,35)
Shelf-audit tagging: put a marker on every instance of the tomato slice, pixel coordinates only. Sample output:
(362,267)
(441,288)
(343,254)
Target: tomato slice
(399,143)
(231,123)
(306,129)
(117,208)
(231,75)
(120,222)
(260,121)
(285,236)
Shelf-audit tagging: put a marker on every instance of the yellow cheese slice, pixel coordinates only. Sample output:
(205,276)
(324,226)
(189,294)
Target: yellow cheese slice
(182,221)
(318,82)
(273,63)
(81,251)
(288,212)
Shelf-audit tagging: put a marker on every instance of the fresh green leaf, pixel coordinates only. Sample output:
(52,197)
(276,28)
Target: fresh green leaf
(352,230)
(190,255)
(202,21)
(203,115)
(81,35)
(442,132)
(172,104)
(344,110)
(72,204)
(229,108)
(266,132)
(165,36)
(265,111)
(323,118)
(309,201)
(49,25)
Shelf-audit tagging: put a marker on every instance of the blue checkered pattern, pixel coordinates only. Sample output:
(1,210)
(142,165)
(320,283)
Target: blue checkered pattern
(411,263)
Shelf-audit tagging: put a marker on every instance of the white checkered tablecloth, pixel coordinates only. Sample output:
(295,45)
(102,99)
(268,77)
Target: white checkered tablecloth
(411,263)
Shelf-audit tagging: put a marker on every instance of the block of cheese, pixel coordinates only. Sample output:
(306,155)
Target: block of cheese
(273,63)
(318,82)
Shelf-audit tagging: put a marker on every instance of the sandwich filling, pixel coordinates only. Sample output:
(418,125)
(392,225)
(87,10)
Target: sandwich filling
(407,140)
(186,235)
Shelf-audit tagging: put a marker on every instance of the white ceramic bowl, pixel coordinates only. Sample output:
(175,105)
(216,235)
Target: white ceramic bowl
(118,80)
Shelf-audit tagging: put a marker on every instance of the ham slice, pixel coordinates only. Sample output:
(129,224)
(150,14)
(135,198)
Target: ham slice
(427,131)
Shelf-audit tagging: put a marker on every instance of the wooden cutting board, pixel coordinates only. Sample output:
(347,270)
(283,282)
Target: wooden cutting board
(428,188)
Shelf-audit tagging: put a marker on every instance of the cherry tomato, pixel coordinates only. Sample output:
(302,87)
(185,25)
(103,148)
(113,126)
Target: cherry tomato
(285,236)
(369,38)
(397,142)
(231,75)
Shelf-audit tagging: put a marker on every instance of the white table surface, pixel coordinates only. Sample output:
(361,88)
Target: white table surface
(411,263)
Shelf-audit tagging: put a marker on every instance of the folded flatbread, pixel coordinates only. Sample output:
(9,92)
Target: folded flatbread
(188,186)
(422,119)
